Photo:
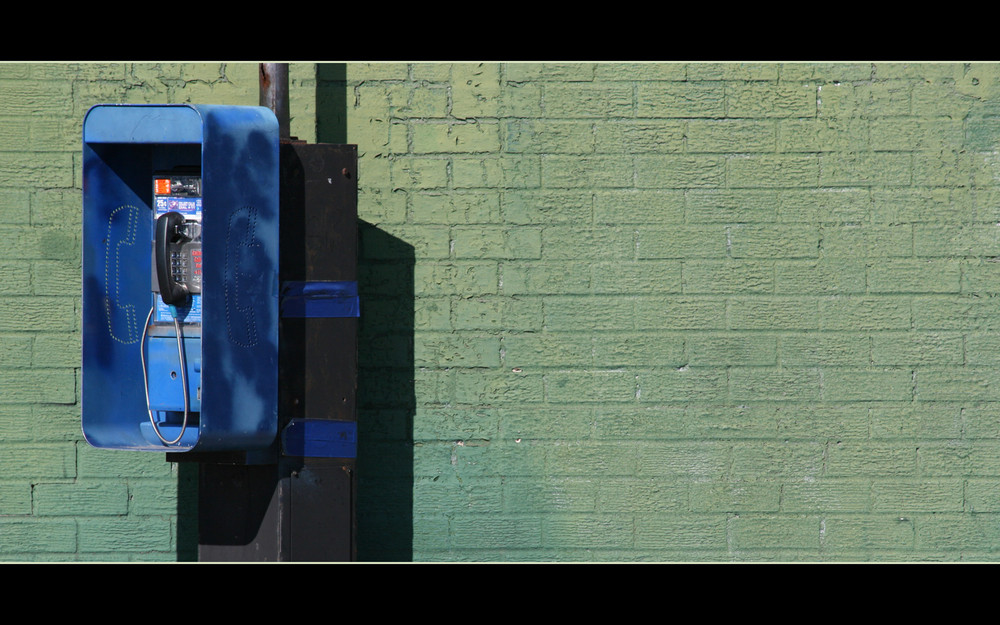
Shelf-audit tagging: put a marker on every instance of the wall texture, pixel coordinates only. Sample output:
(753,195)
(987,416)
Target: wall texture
(611,311)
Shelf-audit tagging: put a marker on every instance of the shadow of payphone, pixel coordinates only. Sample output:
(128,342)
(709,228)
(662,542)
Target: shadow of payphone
(180,277)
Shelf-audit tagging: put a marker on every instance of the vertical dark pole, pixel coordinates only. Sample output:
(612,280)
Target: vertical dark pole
(274,94)
(317,360)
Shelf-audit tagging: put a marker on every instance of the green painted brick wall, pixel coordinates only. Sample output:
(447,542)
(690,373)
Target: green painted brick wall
(611,311)
(685,311)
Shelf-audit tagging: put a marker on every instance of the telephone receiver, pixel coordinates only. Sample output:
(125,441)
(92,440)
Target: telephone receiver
(168,231)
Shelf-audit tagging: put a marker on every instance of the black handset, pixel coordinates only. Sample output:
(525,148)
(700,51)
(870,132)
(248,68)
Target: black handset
(168,234)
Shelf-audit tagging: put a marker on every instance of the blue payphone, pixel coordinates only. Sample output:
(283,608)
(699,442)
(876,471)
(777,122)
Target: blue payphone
(180,277)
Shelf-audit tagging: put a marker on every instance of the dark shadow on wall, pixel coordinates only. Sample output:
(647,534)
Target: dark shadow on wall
(331,103)
(386,397)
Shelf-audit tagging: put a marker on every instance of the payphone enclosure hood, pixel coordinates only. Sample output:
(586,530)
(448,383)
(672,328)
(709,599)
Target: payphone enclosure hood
(232,344)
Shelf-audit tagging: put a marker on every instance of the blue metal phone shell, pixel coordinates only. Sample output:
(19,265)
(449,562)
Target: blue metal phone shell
(235,151)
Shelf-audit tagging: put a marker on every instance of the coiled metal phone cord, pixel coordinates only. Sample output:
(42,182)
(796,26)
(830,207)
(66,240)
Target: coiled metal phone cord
(184,383)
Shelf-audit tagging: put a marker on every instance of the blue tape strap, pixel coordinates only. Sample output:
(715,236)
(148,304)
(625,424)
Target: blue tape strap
(318,438)
(320,299)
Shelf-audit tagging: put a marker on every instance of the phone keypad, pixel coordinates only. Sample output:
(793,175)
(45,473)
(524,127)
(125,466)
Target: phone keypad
(185,265)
